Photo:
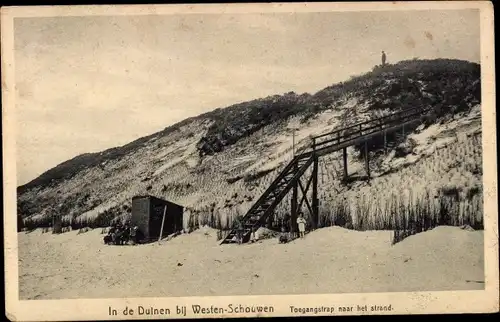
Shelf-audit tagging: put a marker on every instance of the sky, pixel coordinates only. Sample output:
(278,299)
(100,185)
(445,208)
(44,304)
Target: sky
(85,84)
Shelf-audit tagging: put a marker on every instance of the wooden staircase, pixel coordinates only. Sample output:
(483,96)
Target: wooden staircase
(265,205)
(321,145)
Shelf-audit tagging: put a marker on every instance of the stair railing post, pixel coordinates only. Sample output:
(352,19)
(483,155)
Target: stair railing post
(344,153)
(270,220)
(367,160)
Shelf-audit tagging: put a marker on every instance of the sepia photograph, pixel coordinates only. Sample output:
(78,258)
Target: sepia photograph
(239,155)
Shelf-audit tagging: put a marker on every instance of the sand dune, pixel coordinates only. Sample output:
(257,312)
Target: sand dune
(329,260)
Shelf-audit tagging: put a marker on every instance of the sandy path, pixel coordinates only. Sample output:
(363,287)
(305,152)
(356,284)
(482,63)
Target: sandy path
(330,260)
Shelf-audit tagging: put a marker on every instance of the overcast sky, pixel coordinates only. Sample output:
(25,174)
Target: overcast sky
(85,84)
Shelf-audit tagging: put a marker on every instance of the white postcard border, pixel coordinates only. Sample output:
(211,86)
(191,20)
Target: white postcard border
(486,300)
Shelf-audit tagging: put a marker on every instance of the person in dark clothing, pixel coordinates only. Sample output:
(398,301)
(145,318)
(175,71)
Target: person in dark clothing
(113,233)
(283,237)
(139,236)
(125,234)
(118,234)
(108,239)
(239,229)
(384,58)
(287,222)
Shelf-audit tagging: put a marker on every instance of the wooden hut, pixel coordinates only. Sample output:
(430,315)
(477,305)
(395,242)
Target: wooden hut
(148,213)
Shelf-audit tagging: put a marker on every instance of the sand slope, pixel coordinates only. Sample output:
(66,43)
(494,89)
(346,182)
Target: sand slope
(329,260)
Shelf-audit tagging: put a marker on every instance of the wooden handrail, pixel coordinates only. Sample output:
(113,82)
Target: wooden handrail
(383,118)
(339,136)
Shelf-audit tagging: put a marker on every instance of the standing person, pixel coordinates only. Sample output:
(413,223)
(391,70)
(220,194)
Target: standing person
(113,232)
(125,234)
(119,233)
(254,238)
(108,239)
(384,58)
(301,222)
(133,235)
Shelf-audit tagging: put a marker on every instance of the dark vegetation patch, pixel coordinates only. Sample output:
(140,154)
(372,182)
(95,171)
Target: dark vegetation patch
(256,175)
(241,120)
(234,179)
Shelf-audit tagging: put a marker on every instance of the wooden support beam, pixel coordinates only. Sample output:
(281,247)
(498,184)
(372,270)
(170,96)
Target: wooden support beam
(344,152)
(385,142)
(315,192)
(304,194)
(270,220)
(304,197)
(367,160)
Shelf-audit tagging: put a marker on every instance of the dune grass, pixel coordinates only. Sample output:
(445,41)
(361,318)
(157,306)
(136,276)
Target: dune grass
(443,187)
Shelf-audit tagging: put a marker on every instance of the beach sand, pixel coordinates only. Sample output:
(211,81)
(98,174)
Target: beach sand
(328,260)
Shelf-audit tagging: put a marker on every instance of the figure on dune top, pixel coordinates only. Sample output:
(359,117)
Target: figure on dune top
(384,57)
